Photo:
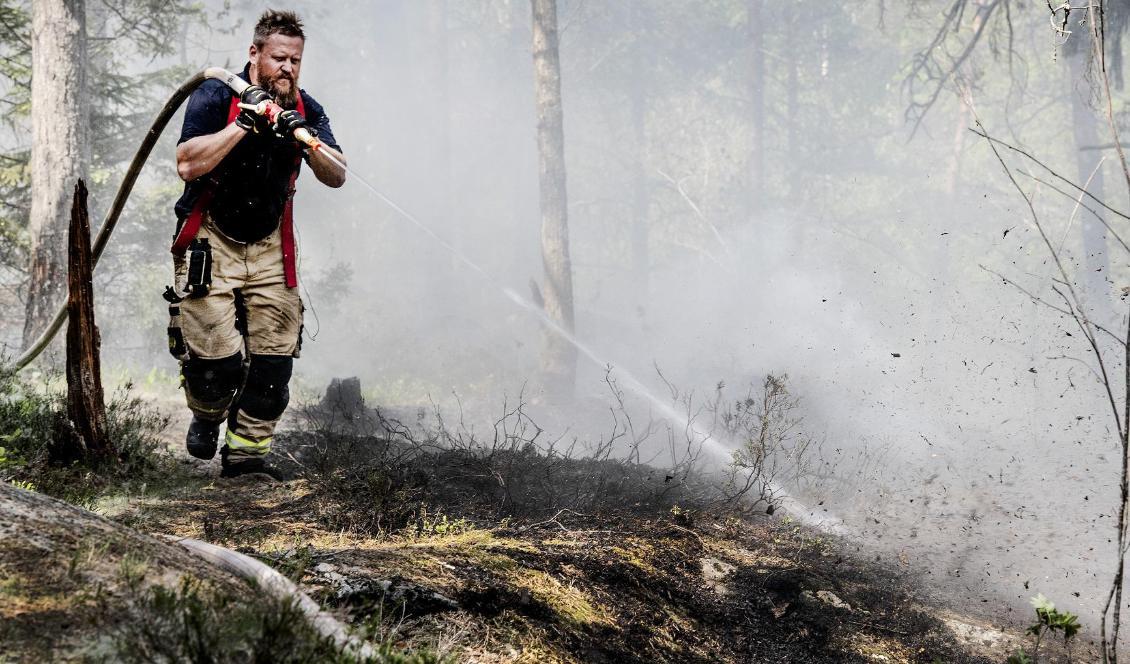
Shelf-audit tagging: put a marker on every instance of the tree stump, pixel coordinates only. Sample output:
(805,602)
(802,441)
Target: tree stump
(86,406)
(343,398)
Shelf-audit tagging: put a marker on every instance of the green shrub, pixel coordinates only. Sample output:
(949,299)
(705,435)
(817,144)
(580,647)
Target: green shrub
(33,419)
(196,623)
(1049,621)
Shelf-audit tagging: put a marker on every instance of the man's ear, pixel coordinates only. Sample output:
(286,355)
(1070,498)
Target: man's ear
(252,53)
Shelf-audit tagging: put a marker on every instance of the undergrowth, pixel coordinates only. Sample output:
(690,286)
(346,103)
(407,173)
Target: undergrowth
(198,623)
(33,421)
(372,474)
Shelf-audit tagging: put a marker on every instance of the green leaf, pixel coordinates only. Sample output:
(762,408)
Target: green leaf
(1040,602)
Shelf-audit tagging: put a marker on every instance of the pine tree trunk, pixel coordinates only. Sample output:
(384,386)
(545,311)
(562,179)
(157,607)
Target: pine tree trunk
(60,148)
(792,101)
(969,77)
(559,355)
(755,176)
(439,124)
(953,169)
(641,260)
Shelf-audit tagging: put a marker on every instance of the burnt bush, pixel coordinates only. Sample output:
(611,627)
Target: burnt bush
(376,474)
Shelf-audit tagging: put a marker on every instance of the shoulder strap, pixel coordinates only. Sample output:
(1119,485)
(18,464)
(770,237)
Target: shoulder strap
(234,109)
(192,222)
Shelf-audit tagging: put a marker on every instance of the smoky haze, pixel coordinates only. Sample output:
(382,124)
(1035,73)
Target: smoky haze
(964,434)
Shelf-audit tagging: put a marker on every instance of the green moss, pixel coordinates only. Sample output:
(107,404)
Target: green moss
(568,602)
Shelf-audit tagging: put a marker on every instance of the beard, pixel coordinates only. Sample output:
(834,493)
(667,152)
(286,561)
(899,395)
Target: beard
(284,89)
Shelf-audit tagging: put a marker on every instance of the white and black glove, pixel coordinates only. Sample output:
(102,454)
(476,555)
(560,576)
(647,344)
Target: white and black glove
(248,119)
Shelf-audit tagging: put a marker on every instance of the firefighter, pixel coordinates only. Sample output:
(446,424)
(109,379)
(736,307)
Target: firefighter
(237,315)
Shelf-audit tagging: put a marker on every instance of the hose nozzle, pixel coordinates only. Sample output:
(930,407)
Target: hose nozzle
(271,110)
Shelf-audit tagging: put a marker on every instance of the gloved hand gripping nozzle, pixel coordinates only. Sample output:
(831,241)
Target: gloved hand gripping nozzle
(261,110)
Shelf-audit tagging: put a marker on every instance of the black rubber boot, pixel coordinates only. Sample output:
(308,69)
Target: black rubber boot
(202,438)
(246,466)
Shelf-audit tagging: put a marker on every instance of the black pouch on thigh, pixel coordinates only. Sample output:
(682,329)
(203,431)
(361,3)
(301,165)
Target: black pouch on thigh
(199,259)
(177,347)
(301,329)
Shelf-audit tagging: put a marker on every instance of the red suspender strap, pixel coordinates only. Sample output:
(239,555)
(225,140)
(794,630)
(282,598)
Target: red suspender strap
(286,229)
(286,234)
(192,222)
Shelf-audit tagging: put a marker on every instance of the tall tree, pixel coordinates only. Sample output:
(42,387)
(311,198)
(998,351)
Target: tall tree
(439,124)
(559,355)
(60,149)
(1086,130)
(637,105)
(756,92)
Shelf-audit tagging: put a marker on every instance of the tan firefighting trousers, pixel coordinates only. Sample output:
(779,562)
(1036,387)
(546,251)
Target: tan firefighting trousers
(273,322)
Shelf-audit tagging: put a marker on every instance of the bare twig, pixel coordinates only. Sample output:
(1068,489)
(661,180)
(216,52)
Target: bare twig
(1079,203)
(1027,155)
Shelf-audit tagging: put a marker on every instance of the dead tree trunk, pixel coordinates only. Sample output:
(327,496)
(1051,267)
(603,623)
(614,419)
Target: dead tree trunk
(559,355)
(86,406)
(59,148)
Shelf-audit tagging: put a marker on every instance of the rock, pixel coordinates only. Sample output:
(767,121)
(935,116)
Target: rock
(714,573)
(830,598)
(416,600)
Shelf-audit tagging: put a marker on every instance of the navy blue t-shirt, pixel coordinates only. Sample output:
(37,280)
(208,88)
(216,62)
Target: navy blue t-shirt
(252,182)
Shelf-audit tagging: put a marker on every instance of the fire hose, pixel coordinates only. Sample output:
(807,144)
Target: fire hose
(266,108)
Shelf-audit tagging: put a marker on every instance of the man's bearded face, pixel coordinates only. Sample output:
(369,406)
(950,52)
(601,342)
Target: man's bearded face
(283,88)
(275,67)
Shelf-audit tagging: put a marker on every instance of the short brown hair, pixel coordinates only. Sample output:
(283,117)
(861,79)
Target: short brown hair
(277,23)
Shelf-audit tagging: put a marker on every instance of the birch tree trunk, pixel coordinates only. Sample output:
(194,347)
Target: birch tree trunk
(60,148)
(559,355)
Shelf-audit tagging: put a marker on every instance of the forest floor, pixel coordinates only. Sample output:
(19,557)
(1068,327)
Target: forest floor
(629,585)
